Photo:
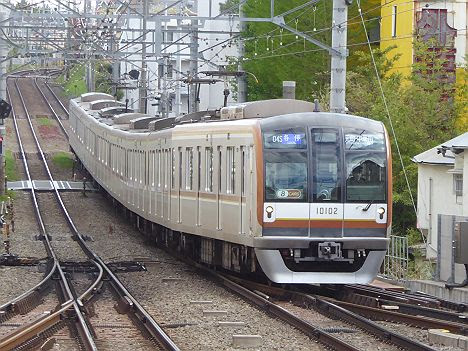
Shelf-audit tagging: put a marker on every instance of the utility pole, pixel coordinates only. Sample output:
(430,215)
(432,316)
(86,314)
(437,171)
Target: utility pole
(3,71)
(242,79)
(90,78)
(338,61)
(143,92)
(193,72)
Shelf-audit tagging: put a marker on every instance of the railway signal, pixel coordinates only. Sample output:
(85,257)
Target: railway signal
(5,109)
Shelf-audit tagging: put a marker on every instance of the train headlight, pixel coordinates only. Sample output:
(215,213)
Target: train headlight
(269,210)
(381,212)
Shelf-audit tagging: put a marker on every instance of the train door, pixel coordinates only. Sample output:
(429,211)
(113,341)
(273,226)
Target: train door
(325,205)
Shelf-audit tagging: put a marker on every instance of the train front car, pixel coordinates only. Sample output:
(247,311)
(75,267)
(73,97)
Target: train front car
(326,188)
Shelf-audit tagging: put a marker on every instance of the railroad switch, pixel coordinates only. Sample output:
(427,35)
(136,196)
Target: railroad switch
(116,267)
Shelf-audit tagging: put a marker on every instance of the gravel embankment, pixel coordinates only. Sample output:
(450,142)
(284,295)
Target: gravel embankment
(171,301)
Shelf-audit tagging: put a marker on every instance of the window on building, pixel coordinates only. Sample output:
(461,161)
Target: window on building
(458,184)
(394,21)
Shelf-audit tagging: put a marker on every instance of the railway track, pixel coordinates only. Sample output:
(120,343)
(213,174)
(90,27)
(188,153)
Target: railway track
(73,308)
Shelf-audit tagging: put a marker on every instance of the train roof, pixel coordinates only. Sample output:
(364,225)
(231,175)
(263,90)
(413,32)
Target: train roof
(105,109)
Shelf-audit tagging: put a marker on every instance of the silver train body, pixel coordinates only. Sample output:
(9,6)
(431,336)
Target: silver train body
(267,186)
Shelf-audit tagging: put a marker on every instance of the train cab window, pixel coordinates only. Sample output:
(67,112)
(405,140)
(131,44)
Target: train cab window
(286,165)
(209,169)
(365,159)
(188,168)
(326,165)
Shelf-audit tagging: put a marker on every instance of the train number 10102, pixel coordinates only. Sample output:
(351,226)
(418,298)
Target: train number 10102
(327,210)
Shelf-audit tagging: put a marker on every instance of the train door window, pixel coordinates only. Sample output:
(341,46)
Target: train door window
(326,165)
(199,168)
(230,170)
(173,168)
(209,169)
(220,168)
(159,168)
(180,168)
(189,168)
(243,171)
(142,168)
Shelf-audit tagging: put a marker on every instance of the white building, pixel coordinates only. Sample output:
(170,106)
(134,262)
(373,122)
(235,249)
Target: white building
(177,57)
(442,190)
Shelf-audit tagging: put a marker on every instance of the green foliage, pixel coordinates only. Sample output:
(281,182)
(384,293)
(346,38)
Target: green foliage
(11,171)
(421,110)
(63,160)
(9,194)
(75,85)
(274,55)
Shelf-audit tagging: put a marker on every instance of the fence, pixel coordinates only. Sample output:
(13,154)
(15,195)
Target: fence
(395,265)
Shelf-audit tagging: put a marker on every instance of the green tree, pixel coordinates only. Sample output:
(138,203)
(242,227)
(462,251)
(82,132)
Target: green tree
(274,55)
(422,111)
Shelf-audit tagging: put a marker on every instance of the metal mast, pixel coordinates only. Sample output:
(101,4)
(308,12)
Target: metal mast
(143,88)
(338,62)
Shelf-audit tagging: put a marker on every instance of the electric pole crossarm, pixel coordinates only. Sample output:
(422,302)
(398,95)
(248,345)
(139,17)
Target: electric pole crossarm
(279,21)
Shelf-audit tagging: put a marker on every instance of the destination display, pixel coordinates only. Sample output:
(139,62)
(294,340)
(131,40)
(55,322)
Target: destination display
(356,139)
(285,140)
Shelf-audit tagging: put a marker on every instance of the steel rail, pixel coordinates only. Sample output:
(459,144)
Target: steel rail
(394,296)
(312,331)
(323,305)
(82,328)
(57,118)
(7,310)
(418,321)
(57,98)
(144,318)
(406,308)
(22,335)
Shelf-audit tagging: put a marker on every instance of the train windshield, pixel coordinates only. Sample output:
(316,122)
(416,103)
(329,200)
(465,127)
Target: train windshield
(365,163)
(286,165)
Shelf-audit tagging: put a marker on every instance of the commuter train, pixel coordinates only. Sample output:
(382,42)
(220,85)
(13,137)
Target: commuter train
(269,186)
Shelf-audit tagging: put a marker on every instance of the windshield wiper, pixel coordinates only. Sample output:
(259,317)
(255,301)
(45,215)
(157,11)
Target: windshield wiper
(368,206)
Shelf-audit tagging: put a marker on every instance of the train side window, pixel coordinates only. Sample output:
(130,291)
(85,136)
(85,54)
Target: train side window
(189,168)
(209,169)
(230,170)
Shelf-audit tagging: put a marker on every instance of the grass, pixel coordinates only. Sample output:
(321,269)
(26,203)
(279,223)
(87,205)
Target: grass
(76,84)
(44,121)
(9,194)
(63,160)
(11,171)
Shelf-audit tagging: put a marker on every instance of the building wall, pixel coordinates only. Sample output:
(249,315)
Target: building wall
(438,199)
(402,38)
